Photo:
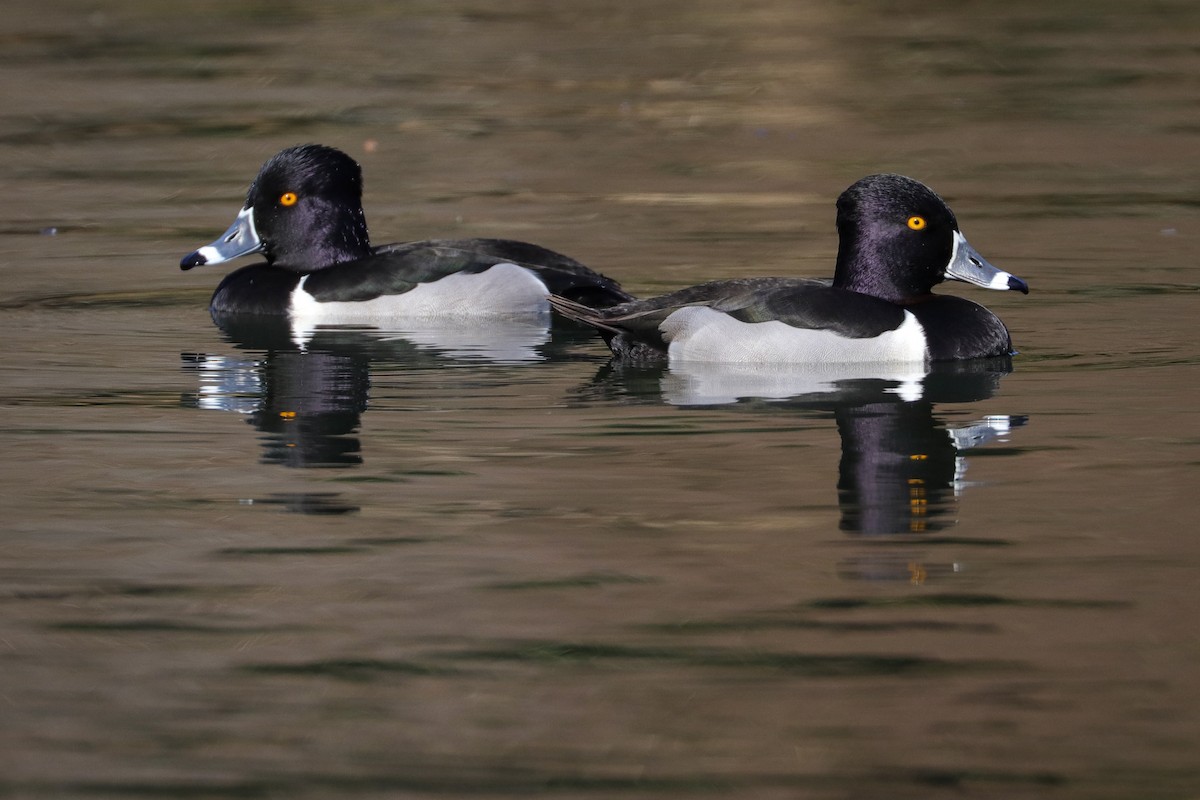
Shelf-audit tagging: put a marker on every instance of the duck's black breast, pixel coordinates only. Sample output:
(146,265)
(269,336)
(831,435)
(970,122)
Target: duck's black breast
(256,289)
(955,328)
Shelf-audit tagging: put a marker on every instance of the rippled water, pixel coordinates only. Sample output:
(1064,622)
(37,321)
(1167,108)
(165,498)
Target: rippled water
(439,563)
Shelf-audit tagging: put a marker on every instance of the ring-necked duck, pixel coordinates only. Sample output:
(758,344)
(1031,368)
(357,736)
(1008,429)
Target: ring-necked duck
(897,240)
(304,214)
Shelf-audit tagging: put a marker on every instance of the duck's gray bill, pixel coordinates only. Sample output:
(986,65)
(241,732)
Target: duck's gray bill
(967,265)
(241,239)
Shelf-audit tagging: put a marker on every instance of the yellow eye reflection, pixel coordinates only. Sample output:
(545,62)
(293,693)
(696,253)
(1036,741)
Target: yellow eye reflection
(917,223)
(290,198)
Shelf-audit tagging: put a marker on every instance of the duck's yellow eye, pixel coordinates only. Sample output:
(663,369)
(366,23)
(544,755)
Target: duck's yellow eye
(917,223)
(290,198)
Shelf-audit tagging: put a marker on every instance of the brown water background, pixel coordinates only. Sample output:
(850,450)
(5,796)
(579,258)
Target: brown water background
(493,577)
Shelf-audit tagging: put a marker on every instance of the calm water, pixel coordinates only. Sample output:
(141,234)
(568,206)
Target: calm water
(439,563)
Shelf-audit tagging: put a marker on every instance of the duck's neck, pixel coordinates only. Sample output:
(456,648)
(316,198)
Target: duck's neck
(871,263)
(333,236)
(343,238)
(862,266)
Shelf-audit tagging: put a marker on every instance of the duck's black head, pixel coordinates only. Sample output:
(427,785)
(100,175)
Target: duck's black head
(897,240)
(303,212)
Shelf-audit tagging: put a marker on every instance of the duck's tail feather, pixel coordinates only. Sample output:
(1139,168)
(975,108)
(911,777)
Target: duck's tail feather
(582,313)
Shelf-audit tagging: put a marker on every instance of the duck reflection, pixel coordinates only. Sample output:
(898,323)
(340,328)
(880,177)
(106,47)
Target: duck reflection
(902,467)
(305,390)
(309,407)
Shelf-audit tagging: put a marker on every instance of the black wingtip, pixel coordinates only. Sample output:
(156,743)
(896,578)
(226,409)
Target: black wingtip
(192,260)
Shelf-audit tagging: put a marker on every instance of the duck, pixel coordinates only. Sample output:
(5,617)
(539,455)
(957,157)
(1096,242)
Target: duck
(304,215)
(897,239)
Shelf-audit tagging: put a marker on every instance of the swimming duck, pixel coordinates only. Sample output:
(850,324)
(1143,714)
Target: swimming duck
(304,214)
(897,240)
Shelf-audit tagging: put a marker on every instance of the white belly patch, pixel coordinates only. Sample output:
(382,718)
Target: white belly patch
(503,291)
(698,333)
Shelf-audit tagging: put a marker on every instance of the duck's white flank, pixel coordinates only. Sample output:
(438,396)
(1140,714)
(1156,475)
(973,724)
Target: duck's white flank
(698,333)
(505,290)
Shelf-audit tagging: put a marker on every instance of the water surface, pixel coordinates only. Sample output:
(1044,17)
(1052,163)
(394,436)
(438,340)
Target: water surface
(428,563)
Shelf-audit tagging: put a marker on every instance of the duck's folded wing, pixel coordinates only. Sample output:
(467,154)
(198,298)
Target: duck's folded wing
(800,303)
(818,306)
(399,268)
(563,275)
(639,322)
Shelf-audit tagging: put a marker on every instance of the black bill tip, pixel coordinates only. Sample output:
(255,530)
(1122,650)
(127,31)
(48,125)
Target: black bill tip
(1016,284)
(192,260)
